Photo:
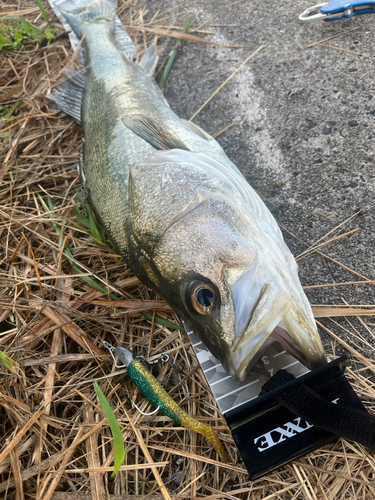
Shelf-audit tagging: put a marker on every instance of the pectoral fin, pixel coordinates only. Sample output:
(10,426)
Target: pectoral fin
(158,136)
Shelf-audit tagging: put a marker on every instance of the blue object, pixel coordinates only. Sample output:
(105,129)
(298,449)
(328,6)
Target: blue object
(338,9)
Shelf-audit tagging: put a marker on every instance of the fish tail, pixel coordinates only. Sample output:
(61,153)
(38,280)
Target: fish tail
(81,14)
(78,15)
(207,431)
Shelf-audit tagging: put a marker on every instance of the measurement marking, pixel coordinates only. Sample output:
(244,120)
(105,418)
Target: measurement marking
(198,343)
(279,354)
(212,367)
(239,389)
(187,328)
(240,404)
(288,366)
(221,380)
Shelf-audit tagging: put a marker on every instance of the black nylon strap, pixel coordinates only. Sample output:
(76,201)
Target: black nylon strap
(351,423)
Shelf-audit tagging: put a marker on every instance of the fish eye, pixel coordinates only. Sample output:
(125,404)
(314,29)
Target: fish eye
(203,297)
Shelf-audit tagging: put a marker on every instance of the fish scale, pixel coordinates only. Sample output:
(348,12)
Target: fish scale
(179,211)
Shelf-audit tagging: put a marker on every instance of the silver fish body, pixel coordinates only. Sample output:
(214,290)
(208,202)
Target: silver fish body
(179,211)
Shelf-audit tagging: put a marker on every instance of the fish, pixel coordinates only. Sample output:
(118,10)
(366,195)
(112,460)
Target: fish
(177,209)
(158,397)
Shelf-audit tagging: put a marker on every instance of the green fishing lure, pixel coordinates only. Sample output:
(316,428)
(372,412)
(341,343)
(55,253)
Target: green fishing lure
(158,397)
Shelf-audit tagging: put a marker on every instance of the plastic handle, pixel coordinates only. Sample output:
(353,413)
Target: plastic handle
(338,9)
(344,5)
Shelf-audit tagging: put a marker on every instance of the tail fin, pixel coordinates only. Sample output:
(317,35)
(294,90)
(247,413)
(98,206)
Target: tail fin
(75,15)
(99,11)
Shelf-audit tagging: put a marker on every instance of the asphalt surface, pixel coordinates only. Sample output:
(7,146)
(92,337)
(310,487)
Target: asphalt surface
(304,121)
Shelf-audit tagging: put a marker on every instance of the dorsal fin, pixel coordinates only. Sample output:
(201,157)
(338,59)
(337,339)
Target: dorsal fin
(69,93)
(149,60)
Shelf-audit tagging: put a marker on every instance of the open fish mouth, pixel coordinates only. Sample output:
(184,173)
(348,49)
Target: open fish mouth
(276,316)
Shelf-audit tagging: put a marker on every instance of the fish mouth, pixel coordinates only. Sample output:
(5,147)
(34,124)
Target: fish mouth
(276,316)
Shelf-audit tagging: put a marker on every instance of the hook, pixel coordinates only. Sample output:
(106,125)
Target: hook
(111,350)
(146,414)
(177,372)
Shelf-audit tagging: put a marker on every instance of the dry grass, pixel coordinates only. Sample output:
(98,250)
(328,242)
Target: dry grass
(55,440)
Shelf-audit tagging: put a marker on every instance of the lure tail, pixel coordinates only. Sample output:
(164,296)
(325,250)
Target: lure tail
(157,395)
(207,431)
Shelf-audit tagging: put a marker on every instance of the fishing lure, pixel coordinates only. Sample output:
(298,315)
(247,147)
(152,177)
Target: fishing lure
(158,397)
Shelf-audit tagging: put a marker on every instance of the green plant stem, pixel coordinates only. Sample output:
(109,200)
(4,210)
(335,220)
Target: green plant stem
(118,442)
(7,362)
(173,56)
(44,12)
